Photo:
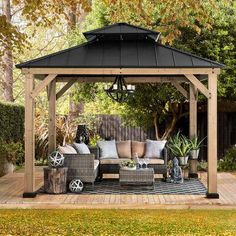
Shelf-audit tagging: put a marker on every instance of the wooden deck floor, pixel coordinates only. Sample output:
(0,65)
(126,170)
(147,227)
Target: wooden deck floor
(11,189)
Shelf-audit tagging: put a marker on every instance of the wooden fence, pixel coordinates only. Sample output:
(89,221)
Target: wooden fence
(111,127)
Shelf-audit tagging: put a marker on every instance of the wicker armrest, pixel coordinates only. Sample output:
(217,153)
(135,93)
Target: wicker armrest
(85,161)
(165,155)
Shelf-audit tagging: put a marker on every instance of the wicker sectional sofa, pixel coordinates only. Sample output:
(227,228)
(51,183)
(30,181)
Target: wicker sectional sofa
(112,166)
(89,167)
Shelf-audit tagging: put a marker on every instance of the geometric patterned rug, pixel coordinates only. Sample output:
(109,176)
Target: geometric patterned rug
(111,186)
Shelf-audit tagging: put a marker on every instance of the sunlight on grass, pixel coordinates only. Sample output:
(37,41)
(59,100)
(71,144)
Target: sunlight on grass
(117,222)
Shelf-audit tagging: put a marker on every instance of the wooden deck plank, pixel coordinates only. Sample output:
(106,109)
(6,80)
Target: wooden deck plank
(12,185)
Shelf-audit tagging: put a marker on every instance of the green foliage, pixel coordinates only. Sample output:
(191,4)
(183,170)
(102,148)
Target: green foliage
(117,222)
(154,105)
(228,163)
(218,43)
(129,163)
(195,143)
(11,122)
(13,152)
(202,166)
(179,145)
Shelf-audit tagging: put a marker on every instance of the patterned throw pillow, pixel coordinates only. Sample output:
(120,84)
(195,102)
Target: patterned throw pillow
(81,148)
(154,148)
(107,149)
(67,149)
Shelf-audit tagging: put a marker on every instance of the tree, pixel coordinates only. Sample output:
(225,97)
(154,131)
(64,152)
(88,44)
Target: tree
(219,44)
(155,105)
(165,16)
(38,13)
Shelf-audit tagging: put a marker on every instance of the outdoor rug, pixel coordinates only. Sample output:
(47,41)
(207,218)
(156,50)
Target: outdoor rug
(111,186)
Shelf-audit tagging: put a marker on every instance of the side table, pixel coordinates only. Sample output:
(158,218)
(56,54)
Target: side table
(138,177)
(55,180)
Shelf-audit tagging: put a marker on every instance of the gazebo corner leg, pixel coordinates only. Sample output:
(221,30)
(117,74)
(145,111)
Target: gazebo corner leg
(29,177)
(212,138)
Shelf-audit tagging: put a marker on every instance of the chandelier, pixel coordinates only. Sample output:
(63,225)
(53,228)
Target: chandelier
(119,91)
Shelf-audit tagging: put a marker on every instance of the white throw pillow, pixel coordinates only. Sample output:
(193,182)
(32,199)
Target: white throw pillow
(81,148)
(108,149)
(154,148)
(67,149)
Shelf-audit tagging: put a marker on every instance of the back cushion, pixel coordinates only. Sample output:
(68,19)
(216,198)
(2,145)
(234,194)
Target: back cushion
(138,147)
(107,149)
(124,149)
(154,148)
(67,149)
(81,148)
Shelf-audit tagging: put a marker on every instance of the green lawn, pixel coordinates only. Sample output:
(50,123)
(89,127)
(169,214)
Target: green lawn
(117,222)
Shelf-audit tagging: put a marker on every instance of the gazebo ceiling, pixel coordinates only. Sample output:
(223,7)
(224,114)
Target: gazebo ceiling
(121,46)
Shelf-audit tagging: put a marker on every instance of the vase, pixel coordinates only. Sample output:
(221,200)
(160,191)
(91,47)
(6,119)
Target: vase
(183,160)
(194,154)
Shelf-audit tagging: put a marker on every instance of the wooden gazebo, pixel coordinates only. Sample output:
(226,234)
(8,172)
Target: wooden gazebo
(120,49)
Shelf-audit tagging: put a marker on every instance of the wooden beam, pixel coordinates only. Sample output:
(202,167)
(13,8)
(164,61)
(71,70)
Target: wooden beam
(193,126)
(29,181)
(65,88)
(124,71)
(140,79)
(42,85)
(192,111)
(52,117)
(200,86)
(180,89)
(212,137)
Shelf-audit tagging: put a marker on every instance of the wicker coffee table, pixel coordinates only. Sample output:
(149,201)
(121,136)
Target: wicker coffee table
(138,177)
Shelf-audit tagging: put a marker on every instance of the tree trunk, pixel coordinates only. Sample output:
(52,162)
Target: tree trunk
(155,120)
(7,59)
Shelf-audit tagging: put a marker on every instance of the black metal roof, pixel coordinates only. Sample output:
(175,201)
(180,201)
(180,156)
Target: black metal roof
(121,46)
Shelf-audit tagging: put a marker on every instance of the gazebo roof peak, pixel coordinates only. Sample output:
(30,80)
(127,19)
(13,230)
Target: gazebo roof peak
(119,30)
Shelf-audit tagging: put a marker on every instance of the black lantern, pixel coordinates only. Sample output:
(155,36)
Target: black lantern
(119,91)
(82,135)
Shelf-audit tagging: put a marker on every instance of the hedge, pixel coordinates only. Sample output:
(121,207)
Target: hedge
(11,122)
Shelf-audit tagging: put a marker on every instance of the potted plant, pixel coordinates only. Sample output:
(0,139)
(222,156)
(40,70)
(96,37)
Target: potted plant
(180,147)
(10,155)
(195,144)
(129,165)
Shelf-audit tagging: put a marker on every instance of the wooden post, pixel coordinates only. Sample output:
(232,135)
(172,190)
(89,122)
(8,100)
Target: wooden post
(29,181)
(52,117)
(193,125)
(212,137)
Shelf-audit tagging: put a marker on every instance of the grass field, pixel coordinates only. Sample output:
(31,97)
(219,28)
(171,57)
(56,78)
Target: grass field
(117,222)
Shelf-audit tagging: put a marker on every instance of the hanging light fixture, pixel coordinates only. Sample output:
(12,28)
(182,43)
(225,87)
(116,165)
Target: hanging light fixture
(119,91)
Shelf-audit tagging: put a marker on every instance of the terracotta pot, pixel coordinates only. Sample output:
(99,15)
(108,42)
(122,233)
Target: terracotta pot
(194,154)
(183,160)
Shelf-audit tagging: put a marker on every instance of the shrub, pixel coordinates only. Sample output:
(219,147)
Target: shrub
(13,152)
(11,122)
(228,163)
